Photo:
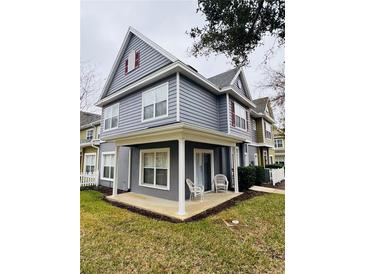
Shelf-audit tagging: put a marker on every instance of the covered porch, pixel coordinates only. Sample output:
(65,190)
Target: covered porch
(170,208)
(182,147)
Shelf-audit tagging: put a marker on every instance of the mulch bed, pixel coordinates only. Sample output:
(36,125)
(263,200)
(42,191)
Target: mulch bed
(244,196)
(106,191)
(280,185)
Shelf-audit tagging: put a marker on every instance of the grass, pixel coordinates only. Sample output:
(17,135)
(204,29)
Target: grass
(117,240)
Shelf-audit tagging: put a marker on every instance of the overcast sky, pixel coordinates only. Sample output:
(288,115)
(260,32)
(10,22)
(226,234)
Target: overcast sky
(104,25)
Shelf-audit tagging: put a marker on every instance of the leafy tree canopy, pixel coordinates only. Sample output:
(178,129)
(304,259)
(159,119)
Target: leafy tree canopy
(236,27)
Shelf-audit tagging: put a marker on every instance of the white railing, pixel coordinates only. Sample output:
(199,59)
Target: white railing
(277,175)
(89,179)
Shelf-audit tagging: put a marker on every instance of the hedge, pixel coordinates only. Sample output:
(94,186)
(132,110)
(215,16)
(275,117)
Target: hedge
(275,166)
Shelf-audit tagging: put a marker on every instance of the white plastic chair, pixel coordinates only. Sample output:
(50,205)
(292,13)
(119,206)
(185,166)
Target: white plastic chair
(221,182)
(195,190)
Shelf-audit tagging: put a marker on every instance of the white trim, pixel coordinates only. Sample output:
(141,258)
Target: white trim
(235,76)
(102,165)
(154,104)
(228,112)
(84,159)
(115,177)
(178,96)
(112,128)
(181,168)
(271,159)
(211,152)
(235,169)
(178,66)
(129,167)
(154,150)
(255,159)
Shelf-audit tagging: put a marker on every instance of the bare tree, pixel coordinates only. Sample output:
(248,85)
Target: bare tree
(89,86)
(275,80)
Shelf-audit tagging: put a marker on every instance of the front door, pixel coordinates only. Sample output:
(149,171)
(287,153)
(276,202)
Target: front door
(203,168)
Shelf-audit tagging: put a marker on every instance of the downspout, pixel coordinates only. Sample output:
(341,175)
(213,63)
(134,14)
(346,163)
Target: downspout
(97,158)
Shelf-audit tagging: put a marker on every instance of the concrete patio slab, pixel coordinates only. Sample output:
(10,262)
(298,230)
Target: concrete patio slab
(169,208)
(267,189)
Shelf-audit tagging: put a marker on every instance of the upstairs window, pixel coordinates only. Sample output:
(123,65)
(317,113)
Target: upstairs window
(111,115)
(89,134)
(89,163)
(241,116)
(253,124)
(154,102)
(268,134)
(132,62)
(279,143)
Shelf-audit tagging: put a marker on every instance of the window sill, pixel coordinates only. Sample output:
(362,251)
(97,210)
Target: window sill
(107,179)
(155,187)
(155,119)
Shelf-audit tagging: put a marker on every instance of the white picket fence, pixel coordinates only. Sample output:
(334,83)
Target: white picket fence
(277,175)
(89,179)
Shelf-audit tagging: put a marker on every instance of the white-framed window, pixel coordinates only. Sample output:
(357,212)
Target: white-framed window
(90,134)
(155,168)
(245,153)
(265,158)
(268,134)
(155,102)
(111,117)
(89,162)
(271,161)
(279,143)
(241,116)
(253,124)
(256,160)
(107,166)
(132,61)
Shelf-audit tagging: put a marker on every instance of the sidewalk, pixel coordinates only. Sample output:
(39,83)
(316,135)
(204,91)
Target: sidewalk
(267,189)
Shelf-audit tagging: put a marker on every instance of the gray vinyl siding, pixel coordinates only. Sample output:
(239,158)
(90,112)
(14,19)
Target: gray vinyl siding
(251,154)
(171,194)
(242,90)
(238,131)
(222,113)
(221,166)
(122,166)
(130,110)
(150,61)
(197,105)
(253,132)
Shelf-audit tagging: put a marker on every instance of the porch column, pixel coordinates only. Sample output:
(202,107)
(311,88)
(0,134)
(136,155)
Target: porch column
(235,170)
(181,177)
(115,181)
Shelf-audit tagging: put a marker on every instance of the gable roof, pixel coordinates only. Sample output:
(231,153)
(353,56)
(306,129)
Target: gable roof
(126,40)
(224,79)
(261,104)
(88,118)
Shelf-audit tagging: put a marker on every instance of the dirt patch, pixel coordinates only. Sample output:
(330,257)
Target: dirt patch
(244,196)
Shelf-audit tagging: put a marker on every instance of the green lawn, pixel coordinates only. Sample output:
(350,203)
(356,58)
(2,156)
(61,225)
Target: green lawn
(117,240)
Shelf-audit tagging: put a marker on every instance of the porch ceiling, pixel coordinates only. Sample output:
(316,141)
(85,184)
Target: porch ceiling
(175,132)
(170,208)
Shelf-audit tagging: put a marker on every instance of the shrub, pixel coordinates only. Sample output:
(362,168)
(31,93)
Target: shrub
(260,175)
(246,177)
(274,166)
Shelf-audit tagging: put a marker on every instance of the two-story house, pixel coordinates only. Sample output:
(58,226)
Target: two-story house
(279,143)
(89,141)
(163,122)
(261,150)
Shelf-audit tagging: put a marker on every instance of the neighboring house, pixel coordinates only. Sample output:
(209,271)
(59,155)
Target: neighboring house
(261,150)
(163,122)
(279,142)
(89,142)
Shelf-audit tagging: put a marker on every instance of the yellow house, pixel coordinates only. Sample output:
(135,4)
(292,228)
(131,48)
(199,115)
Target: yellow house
(89,142)
(279,139)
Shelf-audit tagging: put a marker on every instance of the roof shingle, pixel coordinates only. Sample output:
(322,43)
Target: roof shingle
(87,118)
(224,79)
